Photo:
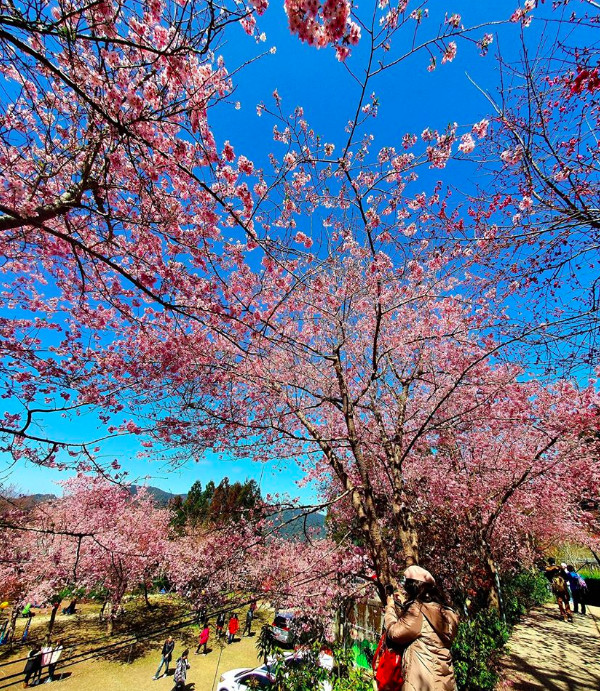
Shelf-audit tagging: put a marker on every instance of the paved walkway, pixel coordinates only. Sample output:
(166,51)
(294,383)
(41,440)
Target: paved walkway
(545,652)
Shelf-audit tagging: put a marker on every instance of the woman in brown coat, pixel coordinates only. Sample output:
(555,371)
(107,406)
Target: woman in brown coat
(425,629)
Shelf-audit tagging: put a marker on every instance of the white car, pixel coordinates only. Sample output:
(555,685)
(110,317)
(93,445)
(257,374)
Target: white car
(246,678)
(263,678)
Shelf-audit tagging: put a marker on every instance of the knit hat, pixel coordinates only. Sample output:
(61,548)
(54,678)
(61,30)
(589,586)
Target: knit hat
(418,573)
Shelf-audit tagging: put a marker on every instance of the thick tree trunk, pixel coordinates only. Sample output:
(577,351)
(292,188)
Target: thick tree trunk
(407,534)
(494,600)
(371,531)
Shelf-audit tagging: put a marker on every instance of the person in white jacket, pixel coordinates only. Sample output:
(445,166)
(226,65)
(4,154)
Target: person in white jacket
(54,658)
(46,654)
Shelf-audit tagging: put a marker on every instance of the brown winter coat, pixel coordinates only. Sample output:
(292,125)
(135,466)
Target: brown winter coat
(428,630)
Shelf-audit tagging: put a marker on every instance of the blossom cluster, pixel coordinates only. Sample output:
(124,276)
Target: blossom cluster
(321,24)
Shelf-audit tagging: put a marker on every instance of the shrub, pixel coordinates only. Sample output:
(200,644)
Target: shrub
(523,591)
(476,650)
(355,680)
(481,638)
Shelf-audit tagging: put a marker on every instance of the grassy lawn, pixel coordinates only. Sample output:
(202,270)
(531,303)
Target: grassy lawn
(130,664)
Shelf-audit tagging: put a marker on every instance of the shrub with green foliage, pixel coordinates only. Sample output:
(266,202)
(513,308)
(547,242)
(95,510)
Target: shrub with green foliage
(355,680)
(304,671)
(523,591)
(476,649)
(481,638)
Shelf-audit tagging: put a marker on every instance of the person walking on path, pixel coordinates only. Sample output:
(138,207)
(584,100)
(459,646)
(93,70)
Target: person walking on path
(203,639)
(166,654)
(54,658)
(578,588)
(425,628)
(233,628)
(220,624)
(33,666)
(181,667)
(248,624)
(557,577)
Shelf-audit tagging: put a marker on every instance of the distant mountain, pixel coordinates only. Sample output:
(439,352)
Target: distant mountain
(38,498)
(291,523)
(161,497)
(25,502)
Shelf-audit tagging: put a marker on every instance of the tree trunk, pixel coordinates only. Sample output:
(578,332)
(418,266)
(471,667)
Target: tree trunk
(52,619)
(495,594)
(376,546)
(149,605)
(407,533)
(110,621)
(12,625)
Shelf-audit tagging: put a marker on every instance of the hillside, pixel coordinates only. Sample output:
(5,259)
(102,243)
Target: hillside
(293,524)
(288,523)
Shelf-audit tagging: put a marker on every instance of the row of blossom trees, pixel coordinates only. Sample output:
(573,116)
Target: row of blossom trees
(102,538)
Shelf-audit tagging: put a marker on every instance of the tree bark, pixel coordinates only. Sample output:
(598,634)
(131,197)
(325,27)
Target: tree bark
(52,619)
(149,605)
(110,620)
(407,533)
(494,598)
(12,625)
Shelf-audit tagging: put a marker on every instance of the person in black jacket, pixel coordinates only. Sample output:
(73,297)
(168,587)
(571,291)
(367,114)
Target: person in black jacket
(33,666)
(220,624)
(167,653)
(248,625)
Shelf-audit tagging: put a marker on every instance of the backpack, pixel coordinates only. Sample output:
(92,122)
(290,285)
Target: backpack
(559,585)
(387,667)
(581,584)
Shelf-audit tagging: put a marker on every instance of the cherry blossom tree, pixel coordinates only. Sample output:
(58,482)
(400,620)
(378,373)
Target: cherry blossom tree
(165,280)
(362,371)
(98,535)
(538,210)
(510,481)
(120,212)
(228,566)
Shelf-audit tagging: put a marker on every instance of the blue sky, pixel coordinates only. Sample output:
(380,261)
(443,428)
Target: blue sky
(411,99)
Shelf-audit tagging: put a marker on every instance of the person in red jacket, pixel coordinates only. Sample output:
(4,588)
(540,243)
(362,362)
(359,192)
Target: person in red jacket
(203,639)
(233,628)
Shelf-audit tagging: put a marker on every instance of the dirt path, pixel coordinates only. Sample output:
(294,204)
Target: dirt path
(545,652)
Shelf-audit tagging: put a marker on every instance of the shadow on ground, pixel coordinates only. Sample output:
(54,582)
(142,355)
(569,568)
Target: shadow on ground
(545,652)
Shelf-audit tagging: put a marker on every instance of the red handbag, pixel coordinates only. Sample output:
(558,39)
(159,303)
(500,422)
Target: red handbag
(387,666)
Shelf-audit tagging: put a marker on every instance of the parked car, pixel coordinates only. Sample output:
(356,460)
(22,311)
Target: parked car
(281,628)
(246,678)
